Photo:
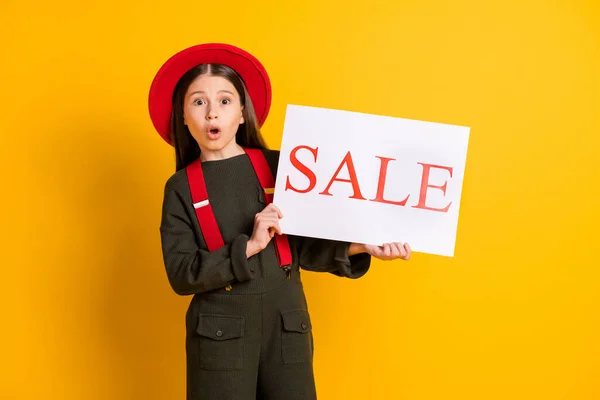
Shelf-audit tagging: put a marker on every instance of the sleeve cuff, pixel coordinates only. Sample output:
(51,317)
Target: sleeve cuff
(239,261)
(351,266)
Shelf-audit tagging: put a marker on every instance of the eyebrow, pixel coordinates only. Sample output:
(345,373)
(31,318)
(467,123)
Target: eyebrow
(202,92)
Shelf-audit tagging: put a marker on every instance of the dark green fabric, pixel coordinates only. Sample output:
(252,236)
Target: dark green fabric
(236,197)
(268,355)
(251,332)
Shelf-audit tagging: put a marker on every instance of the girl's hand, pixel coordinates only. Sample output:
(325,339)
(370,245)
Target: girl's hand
(389,251)
(266,225)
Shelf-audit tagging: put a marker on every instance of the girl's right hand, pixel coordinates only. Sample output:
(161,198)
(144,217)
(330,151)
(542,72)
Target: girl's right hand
(266,225)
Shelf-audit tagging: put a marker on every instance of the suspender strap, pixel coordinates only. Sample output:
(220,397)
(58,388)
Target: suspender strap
(206,217)
(204,212)
(265,177)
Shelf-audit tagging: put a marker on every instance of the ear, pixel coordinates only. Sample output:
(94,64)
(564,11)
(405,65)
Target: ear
(242,116)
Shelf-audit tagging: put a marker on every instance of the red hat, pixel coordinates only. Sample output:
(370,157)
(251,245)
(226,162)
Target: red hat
(252,72)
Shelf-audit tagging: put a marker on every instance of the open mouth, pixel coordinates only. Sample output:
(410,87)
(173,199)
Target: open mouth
(214,133)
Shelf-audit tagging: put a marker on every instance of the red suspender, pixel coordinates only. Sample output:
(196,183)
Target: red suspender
(206,217)
(263,172)
(204,212)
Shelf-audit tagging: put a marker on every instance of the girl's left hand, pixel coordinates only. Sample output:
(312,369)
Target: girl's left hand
(389,251)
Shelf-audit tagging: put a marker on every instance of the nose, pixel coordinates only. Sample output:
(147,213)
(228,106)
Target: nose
(211,113)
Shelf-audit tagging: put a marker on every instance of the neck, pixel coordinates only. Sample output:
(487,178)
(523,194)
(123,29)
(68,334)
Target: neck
(226,152)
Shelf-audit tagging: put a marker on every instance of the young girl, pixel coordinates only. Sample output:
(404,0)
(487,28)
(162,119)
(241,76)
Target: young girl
(248,327)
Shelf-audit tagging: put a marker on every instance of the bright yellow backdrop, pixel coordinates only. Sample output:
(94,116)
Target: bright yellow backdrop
(87,312)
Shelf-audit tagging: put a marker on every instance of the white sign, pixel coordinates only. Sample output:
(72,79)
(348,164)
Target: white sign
(371,179)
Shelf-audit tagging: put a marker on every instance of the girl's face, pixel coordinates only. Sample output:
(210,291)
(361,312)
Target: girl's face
(212,112)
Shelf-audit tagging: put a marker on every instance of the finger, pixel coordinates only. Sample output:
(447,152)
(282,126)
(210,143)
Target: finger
(386,250)
(267,215)
(261,216)
(408,251)
(400,249)
(271,224)
(392,250)
(276,227)
(373,250)
(379,251)
(395,251)
(269,210)
(272,208)
(277,210)
(266,223)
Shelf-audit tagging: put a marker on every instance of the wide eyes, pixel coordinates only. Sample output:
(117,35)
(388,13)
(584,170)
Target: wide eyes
(200,102)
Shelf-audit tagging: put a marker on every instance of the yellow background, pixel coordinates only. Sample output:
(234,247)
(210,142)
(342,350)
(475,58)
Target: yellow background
(87,312)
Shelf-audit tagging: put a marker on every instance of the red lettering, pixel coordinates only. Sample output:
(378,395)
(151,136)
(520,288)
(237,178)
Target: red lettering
(381,184)
(302,168)
(353,179)
(425,185)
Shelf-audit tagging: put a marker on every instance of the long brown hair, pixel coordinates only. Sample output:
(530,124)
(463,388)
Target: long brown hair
(186,148)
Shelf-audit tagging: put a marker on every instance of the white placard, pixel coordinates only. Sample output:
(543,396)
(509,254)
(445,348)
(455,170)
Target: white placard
(371,179)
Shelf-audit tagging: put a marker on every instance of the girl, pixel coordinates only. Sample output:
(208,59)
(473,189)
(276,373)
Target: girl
(248,328)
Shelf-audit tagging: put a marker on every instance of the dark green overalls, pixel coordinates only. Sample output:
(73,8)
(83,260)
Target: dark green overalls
(249,334)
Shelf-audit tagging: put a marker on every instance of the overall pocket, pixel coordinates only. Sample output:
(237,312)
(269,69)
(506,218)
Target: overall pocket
(296,337)
(220,341)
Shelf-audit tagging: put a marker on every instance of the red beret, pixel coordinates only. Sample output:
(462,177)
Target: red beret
(252,72)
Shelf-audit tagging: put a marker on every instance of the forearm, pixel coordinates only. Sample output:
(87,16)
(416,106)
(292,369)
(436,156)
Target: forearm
(191,270)
(356,248)
(339,258)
